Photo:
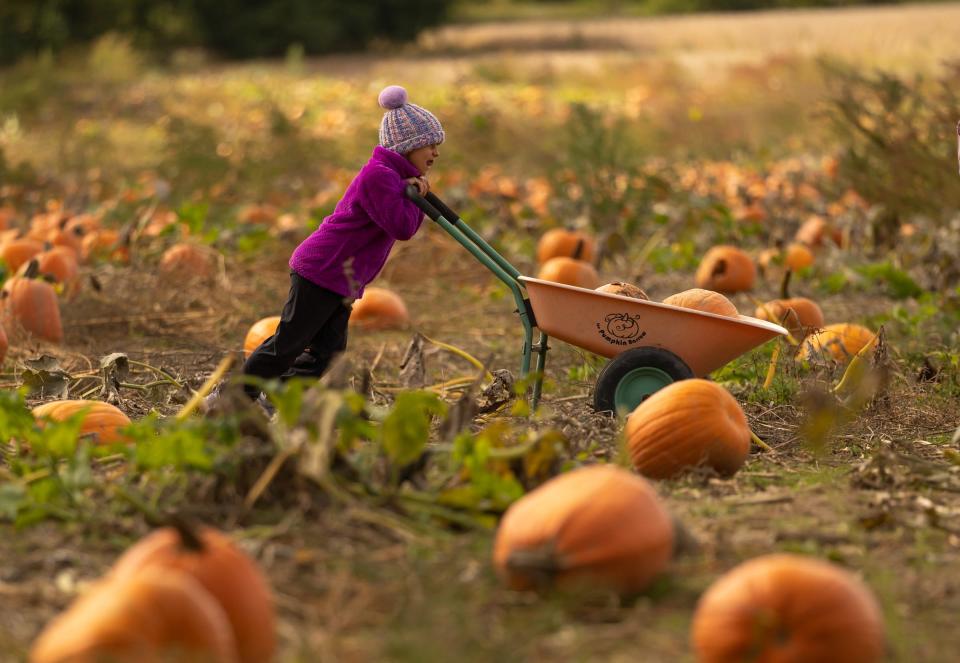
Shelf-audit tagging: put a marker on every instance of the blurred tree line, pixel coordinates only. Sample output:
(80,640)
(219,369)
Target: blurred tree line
(230,28)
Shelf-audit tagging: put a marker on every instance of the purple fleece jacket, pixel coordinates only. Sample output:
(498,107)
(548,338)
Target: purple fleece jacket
(351,245)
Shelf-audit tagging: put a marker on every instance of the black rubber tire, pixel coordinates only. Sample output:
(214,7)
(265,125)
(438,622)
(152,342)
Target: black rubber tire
(623,363)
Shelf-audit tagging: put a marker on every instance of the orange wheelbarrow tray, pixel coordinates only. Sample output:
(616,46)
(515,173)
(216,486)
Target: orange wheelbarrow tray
(649,344)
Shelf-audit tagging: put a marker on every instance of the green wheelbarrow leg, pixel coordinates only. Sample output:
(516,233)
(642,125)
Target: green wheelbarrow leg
(541,349)
(501,268)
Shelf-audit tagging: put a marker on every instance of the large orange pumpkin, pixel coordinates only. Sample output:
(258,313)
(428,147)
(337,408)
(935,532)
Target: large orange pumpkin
(569,271)
(153,617)
(187,261)
(561,242)
(379,308)
(224,570)
(259,332)
(623,289)
(598,525)
(685,424)
(838,342)
(102,421)
(785,608)
(17,252)
(33,304)
(726,269)
(798,314)
(703,300)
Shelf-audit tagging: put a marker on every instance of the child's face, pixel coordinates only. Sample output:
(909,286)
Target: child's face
(423,158)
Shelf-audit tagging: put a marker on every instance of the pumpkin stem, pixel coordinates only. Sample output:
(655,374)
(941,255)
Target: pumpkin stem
(33,268)
(578,250)
(189,537)
(719,268)
(785,285)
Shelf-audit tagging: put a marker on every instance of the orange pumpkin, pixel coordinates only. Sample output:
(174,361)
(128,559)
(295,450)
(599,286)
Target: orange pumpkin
(4,344)
(225,571)
(597,525)
(685,424)
(726,269)
(815,230)
(71,239)
(798,314)
(379,308)
(623,289)
(791,609)
(187,261)
(18,252)
(259,332)
(797,256)
(104,243)
(561,242)
(569,271)
(83,224)
(837,341)
(102,421)
(152,617)
(60,264)
(703,300)
(33,305)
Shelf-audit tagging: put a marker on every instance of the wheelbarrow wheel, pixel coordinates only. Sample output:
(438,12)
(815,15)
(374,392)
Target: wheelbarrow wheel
(632,376)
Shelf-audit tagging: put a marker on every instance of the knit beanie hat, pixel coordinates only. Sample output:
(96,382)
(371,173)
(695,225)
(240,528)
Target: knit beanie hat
(405,126)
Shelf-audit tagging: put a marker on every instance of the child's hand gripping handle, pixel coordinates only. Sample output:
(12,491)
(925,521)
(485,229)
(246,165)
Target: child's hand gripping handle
(413,193)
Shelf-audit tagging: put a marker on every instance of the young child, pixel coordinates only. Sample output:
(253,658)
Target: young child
(330,268)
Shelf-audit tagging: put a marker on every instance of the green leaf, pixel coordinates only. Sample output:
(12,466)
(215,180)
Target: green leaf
(406,429)
(899,284)
(12,496)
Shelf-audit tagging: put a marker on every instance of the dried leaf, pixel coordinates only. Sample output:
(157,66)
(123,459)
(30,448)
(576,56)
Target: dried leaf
(497,393)
(45,377)
(413,374)
(114,368)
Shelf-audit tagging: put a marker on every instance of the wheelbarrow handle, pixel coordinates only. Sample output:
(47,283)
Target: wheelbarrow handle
(413,193)
(448,213)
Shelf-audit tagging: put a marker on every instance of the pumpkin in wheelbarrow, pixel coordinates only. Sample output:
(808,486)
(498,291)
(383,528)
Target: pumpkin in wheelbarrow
(624,290)
(707,301)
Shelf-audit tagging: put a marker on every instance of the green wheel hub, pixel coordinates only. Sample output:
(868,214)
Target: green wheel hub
(637,385)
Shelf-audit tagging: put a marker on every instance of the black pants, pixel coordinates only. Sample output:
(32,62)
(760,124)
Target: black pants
(312,331)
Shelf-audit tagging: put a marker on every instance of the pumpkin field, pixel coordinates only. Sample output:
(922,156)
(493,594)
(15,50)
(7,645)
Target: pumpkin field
(800,503)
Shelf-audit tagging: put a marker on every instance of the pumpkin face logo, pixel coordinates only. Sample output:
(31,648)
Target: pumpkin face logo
(621,329)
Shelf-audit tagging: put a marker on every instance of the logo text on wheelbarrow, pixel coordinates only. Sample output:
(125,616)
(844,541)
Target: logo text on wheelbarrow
(621,329)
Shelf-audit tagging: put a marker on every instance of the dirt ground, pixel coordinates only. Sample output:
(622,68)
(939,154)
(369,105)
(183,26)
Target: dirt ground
(883,500)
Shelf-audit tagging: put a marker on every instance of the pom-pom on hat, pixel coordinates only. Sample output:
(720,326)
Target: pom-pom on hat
(406,127)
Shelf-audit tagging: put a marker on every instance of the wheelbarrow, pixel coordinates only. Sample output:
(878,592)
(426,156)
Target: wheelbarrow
(649,344)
